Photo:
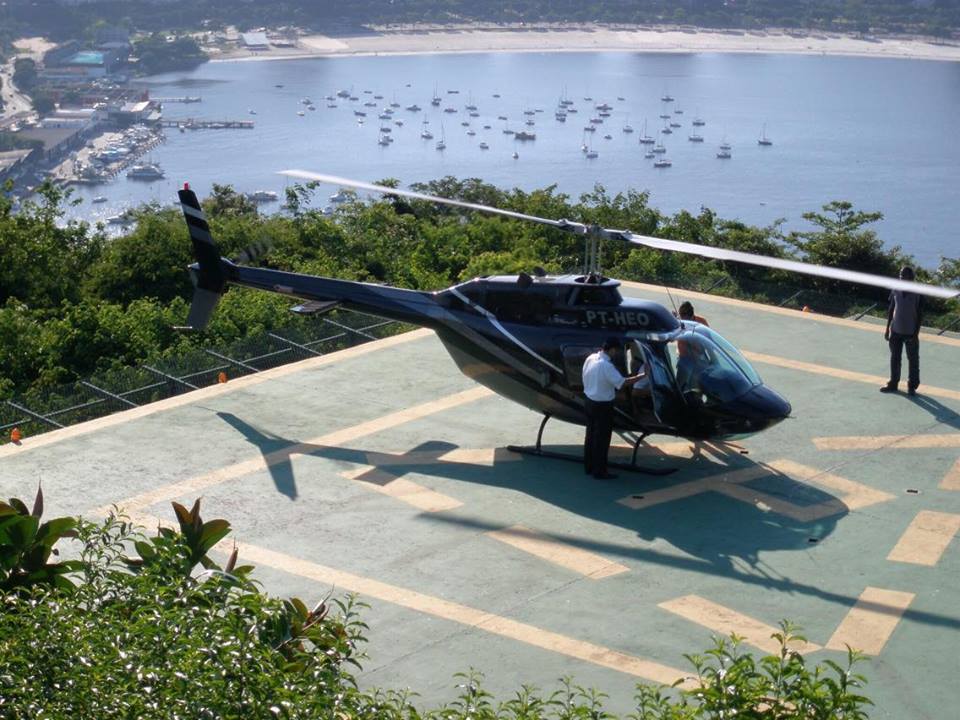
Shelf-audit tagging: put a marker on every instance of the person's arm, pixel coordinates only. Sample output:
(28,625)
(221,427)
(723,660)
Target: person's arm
(916,332)
(892,304)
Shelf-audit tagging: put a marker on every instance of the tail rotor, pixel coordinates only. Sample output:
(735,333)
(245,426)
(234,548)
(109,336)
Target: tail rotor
(208,272)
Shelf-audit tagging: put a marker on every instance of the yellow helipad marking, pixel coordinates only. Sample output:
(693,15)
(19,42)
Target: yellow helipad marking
(717,451)
(926,538)
(951,481)
(877,442)
(464,615)
(54,436)
(871,622)
(839,373)
(854,495)
(454,612)
(725,621)
(378,473)
(402,489)
(557,552)
(786,312)
(337,437)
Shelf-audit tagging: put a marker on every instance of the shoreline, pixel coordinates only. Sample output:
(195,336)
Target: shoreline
(474,39)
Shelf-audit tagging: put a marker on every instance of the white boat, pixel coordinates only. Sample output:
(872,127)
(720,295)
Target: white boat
(644,138)
(592,155)
(413,108)
(649,154)
(662,163)
(425,133)
(667,131)
(524,135)
(471,133)
(764,140)
(695,137)
(442,142)
(515,155)
(484,146)
(263,196)
(145,171)
(698,122)
(675,125)
(383,140)
(724,154)
(667,97)
(340,196)
(301,113)
(659,149)
(608,136)
(725,146)
(99,199)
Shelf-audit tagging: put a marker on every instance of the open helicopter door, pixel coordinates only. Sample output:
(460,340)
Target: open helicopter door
(654,399)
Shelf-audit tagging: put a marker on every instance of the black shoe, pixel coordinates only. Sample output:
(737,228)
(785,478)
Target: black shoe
(889,388)
(911,391)
(605,476)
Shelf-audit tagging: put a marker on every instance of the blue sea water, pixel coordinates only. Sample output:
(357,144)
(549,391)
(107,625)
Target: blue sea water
(881,133)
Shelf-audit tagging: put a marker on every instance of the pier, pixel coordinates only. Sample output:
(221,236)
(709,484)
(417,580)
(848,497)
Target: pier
(188,99)
(192,124)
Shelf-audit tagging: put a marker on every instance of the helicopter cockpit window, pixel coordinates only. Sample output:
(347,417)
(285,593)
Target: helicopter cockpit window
(708,369)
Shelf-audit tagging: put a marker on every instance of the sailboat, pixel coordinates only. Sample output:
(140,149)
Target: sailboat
(436,98)
(644,138)
(442,142)
(626,126)
(425,133)
(764,140)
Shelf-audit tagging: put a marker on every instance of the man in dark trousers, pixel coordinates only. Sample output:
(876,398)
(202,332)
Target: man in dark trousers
(601,380)
(903,329)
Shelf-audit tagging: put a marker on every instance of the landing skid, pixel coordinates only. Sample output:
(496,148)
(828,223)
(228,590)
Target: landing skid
(538,451)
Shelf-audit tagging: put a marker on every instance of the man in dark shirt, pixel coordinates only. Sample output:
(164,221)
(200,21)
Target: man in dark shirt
(903,329)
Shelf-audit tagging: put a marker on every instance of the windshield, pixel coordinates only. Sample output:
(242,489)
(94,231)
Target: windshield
(709,369)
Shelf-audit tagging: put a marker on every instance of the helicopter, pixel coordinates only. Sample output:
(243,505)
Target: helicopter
(526,336)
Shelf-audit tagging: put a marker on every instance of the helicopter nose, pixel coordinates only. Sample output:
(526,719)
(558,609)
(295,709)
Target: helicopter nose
(759,409)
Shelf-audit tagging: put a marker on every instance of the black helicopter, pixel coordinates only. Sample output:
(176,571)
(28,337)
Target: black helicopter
(526,336)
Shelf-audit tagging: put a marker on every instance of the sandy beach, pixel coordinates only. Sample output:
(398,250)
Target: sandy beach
(406,40)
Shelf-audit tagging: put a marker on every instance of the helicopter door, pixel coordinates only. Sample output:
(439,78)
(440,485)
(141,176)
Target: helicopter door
(638,401)
(668,407)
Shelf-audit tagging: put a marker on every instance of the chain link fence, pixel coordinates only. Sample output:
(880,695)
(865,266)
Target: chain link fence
(122,389)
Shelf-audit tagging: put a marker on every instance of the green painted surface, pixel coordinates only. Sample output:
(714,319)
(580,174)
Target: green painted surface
(759,563)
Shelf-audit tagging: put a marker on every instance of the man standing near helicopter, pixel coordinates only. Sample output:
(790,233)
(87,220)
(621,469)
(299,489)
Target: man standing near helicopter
(601,380)
(903,329)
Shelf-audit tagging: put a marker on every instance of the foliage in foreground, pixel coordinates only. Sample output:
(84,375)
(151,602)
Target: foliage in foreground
(169,633)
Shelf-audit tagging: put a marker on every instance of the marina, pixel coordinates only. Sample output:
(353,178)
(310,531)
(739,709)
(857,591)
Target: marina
(732,95)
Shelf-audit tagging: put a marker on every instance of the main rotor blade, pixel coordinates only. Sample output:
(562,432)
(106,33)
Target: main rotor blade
(383,189)
(791,266)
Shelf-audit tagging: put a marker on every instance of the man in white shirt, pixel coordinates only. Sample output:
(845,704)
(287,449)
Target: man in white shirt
(601,380)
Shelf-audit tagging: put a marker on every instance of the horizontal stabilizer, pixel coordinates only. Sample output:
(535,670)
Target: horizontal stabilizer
(313,307)
(204,301)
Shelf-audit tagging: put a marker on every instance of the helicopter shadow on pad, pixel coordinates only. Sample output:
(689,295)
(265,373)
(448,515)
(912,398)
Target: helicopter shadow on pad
(705,524)
(711,531)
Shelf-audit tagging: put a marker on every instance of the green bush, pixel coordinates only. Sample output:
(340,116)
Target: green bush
(153,627)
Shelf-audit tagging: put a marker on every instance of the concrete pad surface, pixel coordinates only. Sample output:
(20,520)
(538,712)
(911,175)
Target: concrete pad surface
(383,472)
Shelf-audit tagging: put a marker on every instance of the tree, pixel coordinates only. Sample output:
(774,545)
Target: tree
(842,241)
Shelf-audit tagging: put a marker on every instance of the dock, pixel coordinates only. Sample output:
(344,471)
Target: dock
(194,124)
(187,99)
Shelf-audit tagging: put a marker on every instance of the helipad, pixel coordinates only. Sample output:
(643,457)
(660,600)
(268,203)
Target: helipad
(381,471)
